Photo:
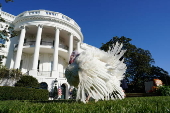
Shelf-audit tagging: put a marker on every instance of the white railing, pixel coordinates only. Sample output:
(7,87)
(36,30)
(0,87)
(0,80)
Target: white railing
(44,43)
(7,16)
(29,43)
(44,73)
(63,46)
(50,14)
(48,74)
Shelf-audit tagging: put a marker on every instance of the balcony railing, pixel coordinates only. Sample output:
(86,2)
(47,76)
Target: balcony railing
(63,46)
(29,43)
(44,73)
(48,74)
(41,43)
(7,16)
(47,43)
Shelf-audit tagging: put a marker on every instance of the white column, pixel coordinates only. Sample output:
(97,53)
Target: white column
(37,48)
(70,46)
(78,46)
(56,45)
(20,47)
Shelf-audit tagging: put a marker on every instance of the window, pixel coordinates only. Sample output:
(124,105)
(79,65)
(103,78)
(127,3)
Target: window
(20,67)
(41,42)
(25,40)
(38,67)
(53,43)
(51,65)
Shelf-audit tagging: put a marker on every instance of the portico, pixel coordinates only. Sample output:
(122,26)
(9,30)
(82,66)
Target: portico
(56,47)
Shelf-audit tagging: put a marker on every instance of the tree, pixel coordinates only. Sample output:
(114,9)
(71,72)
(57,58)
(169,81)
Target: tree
(5,33)
(159,73)
(138,63)
(6,2)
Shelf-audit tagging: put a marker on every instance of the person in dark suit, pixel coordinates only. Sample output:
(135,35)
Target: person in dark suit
(124,85)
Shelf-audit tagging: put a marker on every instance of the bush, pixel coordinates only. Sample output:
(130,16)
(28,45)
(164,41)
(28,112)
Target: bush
(4,72)
(21,93)
(27,81)
(9,73)
(163,91)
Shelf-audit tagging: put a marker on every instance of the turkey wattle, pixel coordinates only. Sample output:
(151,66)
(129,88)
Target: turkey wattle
(97,73)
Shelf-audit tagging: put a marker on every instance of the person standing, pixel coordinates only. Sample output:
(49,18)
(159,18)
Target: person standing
(124,85)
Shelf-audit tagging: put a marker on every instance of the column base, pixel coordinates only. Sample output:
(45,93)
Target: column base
(33,73)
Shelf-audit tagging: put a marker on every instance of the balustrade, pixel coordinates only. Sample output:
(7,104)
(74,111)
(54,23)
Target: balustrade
(48,13)
(34,12)
(7,16)
(48,74)
(29,43)
(44,73)
(47,43)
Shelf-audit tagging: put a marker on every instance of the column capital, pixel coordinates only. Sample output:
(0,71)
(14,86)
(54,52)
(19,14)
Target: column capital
(40,25)
(55,28)
(76,40)
(22,27)
(69,34)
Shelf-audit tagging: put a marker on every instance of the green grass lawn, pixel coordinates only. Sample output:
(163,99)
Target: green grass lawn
(157,104)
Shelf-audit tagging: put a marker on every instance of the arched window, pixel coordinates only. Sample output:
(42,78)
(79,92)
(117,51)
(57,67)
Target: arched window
(43,85)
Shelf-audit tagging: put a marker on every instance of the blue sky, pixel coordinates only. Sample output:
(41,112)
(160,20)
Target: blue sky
(146,22)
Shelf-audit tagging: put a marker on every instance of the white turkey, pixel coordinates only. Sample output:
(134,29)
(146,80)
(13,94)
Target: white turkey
(97,73)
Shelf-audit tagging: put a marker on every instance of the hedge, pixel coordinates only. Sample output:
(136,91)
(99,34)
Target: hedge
(21,93)
(163,91)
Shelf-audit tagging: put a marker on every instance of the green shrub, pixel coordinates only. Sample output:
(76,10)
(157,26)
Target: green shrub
(163,91)
(27,81)
(9,73)
(21,93)
(4,72)
(15,73)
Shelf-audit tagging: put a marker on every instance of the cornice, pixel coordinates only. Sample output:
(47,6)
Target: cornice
(50,19)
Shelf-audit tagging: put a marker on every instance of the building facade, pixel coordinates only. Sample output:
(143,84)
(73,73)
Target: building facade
(43,47)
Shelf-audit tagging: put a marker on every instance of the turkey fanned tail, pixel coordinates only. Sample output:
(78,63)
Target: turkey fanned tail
(98,74)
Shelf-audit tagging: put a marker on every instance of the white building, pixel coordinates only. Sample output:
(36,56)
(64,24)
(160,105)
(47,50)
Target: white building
(44,44)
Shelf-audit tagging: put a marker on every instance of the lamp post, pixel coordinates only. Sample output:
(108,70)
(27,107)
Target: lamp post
(55,82)
(55,91)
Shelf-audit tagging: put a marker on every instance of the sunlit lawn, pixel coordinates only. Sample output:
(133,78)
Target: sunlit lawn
(129,105)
